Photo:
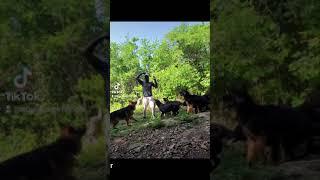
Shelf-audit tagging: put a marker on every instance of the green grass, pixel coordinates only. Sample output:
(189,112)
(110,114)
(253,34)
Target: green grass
(92,161)
(234,167)
(122,128)
(184,117)
(155,123)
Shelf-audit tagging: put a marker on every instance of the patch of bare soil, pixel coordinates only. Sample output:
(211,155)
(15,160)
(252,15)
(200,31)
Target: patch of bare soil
(179,140)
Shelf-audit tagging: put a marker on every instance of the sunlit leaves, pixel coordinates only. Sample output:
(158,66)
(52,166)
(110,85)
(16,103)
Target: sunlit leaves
(180,60)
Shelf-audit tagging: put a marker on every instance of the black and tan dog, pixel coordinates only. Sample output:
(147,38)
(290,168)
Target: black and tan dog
(52,162)
(167,101)
(168,108)
(125,113)
(270,126)
(195,102)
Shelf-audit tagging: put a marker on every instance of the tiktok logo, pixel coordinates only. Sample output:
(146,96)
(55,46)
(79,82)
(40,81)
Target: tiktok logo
(19,94)
(116,90)
(117,86)
(20,81)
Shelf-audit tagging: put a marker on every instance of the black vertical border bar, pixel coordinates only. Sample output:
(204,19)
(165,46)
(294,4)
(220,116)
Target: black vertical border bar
(107,95)
(159,10)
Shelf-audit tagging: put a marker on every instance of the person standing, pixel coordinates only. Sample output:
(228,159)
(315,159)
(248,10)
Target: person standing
(148,99)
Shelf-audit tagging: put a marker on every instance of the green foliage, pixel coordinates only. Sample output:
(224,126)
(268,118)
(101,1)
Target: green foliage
(91,155)
(174,78)
(20,143)
(49,37)
(233,168)
(157,124)
(90,92)
(270,45)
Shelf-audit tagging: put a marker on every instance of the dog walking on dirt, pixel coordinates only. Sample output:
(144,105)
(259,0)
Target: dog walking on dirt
(125,113)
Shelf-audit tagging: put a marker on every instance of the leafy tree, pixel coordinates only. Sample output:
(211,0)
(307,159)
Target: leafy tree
(180,60)
(272,45)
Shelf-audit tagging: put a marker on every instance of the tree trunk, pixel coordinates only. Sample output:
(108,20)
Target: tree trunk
(94,127)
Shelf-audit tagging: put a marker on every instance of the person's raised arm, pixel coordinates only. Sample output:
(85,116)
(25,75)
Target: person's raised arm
(155,84)
(138,78)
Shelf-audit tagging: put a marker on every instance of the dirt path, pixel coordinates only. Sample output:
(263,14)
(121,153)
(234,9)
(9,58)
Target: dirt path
(181,140)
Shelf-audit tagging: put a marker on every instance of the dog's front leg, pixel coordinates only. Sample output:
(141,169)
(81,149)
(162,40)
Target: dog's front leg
(250,151)
(114,124)
(128,122)
(260,147)
(276,152)
(197,109)
(189,109)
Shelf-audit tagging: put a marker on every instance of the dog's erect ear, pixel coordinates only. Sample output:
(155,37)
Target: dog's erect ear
(133,102)
(67,131)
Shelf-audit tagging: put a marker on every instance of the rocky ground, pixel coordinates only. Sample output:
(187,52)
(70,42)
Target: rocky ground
(188,140)
(299,170)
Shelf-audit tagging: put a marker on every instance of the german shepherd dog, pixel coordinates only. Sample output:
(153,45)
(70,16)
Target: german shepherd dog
(269,126)
(125,113)
(195,102)
(51,162)
(167,108)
